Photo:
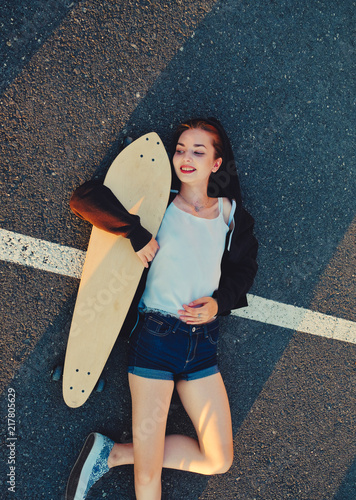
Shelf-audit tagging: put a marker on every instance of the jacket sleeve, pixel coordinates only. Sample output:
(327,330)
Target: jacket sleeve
(238,267)
(96,203)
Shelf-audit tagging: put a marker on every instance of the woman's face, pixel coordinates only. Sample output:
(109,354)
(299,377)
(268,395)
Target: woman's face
(194,159)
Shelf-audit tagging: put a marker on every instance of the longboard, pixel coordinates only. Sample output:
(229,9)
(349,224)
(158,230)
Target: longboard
(140,177)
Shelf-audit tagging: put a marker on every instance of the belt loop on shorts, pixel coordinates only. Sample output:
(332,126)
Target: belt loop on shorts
(205,330)
(176,326)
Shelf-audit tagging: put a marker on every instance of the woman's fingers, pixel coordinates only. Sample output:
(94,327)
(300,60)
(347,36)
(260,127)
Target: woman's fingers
(148,252)
(199,311)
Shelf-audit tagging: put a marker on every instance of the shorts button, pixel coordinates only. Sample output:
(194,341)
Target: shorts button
(193,329)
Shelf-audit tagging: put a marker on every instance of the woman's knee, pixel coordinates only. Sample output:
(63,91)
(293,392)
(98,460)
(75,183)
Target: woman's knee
(147,475)
(225,465)
(221,463)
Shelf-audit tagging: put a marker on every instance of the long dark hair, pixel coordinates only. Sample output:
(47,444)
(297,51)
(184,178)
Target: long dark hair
(225,181)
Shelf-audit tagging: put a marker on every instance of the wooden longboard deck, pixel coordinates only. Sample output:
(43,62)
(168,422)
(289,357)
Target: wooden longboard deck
(140,177)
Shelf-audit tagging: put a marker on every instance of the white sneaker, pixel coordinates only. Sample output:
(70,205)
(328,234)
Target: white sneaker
(90,466)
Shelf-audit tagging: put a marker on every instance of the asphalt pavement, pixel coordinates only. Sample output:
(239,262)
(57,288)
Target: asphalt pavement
(76,77)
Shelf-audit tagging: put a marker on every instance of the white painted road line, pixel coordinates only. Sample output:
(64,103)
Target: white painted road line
(67,261)
(41,254)
(297,318)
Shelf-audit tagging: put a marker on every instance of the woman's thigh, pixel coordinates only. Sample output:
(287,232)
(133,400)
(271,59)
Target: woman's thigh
(150,404)
(206,402)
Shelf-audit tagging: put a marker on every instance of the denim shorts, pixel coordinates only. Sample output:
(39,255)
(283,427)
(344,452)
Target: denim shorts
(165,348)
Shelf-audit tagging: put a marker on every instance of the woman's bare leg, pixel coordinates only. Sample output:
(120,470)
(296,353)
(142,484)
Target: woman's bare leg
(150,404)
(206,403)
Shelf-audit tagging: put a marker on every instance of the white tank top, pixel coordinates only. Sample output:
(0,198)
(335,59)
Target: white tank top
(187,265)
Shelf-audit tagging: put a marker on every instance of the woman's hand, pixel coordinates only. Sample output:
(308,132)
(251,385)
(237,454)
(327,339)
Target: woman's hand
(148,252)
(199,311)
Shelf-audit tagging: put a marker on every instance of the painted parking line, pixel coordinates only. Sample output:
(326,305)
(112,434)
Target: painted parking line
(297,318)
(41,254)
(67,261)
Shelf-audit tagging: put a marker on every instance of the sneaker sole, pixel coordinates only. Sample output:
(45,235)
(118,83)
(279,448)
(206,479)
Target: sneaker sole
(74,477)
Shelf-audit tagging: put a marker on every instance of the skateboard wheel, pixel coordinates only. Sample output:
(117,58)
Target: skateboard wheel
(100,385)
(127,141)
(57,373)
